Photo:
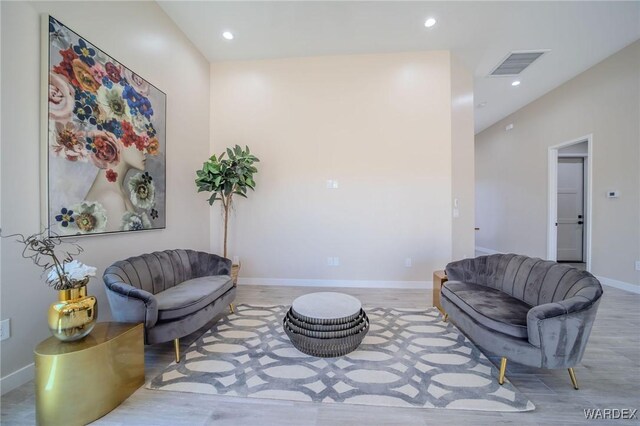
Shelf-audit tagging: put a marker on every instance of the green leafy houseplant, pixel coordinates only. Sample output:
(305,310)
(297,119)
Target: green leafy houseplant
(226,177)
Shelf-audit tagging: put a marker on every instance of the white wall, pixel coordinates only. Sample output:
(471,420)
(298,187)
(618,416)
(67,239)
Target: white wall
(142,37)
(379,124)
(511,166)
(462,161)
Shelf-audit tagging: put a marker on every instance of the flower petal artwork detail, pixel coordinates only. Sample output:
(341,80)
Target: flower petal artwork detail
(106,141)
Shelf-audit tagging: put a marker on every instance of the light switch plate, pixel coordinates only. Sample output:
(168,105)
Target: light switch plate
(332,184)
(5,329)
(637,265)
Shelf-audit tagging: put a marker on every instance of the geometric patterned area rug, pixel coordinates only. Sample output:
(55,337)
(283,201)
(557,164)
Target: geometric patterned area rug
(409,358)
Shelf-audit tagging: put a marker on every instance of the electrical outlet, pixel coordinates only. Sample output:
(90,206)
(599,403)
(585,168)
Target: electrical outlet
(5,329)
(333,261)
(637,265)
(407,262)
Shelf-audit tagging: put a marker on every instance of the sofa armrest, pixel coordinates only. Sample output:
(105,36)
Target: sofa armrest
(224,267)
(460,270)
(218,265)
(131,304)
(561,329)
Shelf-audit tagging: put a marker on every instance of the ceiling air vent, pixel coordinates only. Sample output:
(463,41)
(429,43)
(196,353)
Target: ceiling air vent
(516,62)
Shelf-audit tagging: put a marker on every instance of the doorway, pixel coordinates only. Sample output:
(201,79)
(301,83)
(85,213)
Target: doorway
(570,223)
(569,237)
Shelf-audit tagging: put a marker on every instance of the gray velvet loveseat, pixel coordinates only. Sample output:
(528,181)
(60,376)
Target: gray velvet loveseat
(172,292)
(534,312)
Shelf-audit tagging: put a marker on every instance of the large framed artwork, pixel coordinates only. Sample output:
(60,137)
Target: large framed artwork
(104,140)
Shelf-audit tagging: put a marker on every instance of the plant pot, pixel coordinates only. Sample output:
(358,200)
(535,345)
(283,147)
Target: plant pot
(74,315)
(235,270)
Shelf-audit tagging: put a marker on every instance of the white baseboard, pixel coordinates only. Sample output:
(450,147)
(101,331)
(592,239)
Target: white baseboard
(17,378)
(619,284)
(302,282)
(485,250)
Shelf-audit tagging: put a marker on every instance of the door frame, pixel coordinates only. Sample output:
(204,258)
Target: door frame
(552,215)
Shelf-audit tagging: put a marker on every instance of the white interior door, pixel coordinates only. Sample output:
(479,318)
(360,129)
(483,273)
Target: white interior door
(570,209)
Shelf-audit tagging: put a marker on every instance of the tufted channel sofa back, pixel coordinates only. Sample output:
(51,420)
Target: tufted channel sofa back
(161,270)
(532,280)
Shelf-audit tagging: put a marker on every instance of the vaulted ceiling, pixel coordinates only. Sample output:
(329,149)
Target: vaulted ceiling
(481,34)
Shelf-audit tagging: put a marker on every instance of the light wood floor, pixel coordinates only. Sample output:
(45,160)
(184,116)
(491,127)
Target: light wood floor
(609,377)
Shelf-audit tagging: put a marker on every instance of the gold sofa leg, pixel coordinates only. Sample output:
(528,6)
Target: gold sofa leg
(572,374)
(231,308)
(446,317)
(176,345)
(503,368)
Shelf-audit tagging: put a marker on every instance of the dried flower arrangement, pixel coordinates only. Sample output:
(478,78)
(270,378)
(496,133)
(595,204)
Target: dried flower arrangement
(55,256)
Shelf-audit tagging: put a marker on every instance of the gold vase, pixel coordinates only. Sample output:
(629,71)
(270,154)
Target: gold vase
(74,315)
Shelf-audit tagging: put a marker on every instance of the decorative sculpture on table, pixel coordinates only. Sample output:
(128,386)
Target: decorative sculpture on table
(105,141)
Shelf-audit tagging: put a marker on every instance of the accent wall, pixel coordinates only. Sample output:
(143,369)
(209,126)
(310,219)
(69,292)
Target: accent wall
(140,35)
(356,166)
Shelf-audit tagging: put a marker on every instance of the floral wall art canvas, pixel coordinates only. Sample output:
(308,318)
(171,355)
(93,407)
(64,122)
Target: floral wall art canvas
(105,144)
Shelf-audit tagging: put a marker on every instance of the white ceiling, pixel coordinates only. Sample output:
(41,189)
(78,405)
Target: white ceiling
(481,34)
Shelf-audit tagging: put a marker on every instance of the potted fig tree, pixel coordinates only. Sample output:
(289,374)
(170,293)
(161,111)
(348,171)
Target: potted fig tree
(223,177)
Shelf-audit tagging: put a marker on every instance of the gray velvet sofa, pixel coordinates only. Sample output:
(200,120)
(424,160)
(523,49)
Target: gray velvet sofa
(172,292)
(534,312)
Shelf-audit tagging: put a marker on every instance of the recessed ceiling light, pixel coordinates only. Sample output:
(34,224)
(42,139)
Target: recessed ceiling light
(227,35)
(516,83)
(430,22)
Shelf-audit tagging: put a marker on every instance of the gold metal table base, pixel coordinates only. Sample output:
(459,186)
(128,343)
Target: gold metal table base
(79,382)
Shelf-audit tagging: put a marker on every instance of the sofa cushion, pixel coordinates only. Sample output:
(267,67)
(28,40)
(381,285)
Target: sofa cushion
(490,307)
(191,296)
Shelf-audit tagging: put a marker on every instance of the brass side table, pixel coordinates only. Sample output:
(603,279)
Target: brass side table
(79,382)
(439,278)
